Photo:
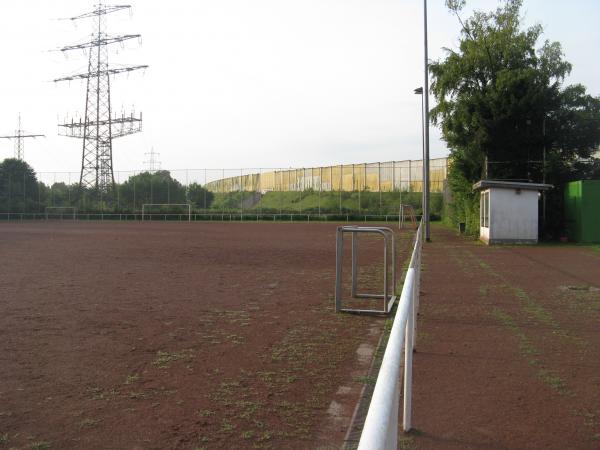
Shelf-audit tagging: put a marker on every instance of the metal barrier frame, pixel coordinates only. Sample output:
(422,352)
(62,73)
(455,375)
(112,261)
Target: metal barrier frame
(381,425)
(388,298)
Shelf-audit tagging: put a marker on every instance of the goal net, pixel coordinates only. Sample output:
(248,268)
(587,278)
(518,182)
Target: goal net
(166,209)
(407,212)
(60,212)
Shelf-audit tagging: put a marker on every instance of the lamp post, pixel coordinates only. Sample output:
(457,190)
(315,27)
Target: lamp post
(419,91)
(426,128)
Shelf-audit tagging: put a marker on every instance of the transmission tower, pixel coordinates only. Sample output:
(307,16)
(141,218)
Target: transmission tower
(19,136)
(152,163)
(99,127)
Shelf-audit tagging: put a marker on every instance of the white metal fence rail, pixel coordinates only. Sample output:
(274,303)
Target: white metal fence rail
(197,216)
(381,425)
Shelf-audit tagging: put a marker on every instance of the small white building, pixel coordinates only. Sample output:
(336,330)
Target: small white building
(508,211)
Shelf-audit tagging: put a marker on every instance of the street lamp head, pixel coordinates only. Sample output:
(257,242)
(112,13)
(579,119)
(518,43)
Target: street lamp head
(419,91)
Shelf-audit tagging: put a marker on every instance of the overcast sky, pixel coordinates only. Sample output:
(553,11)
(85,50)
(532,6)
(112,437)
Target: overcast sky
(253,83)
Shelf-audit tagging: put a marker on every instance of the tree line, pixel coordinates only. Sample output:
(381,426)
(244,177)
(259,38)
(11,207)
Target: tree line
(21,191)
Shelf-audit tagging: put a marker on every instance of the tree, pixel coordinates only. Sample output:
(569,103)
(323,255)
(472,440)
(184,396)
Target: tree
(18,186)
(62,194)
(151,187)
(199,196)
(501,106)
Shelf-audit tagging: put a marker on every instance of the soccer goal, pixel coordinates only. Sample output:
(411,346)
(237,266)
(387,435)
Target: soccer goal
(388,297)
(407,211)
(149,206)
(60,212)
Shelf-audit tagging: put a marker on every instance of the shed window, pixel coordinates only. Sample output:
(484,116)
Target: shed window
(484,209)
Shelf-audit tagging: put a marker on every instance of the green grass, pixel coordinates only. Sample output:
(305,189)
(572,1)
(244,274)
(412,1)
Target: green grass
(528,351)
(164,359)
(132,378)
(40,446)
(535,310)
(553,380)
(526,348)
(227,426)
(364,202)
(249,434)
(366,380)
(89,423)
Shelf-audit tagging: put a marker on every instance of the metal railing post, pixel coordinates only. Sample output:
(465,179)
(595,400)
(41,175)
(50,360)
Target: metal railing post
(392,436)
(384,402)
(408,356)
(385,272)
(338,269)
(354,264)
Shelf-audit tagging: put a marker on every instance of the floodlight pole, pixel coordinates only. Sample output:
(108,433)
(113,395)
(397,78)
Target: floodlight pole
(426,129)
(419,91)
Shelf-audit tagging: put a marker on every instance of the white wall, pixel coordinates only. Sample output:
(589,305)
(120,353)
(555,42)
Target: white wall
(513,215)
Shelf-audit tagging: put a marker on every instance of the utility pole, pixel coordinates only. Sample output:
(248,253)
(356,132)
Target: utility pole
(19,136)
(426,115)
(153,163)
(99,127)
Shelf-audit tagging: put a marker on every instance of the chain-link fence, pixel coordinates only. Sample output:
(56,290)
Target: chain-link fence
(367,190)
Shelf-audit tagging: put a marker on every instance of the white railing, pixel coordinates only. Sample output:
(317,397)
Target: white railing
(201,216)
(381,425)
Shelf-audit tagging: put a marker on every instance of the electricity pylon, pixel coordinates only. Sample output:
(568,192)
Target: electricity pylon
(99,127)
(19,136)
(153,163)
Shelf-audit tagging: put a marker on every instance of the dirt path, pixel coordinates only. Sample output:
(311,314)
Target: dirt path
(509,347)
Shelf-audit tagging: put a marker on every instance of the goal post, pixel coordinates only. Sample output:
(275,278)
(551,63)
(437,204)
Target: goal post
(147,206)
(406,211)
(60,211)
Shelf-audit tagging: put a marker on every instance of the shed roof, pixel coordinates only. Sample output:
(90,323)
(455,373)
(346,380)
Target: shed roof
(486,184)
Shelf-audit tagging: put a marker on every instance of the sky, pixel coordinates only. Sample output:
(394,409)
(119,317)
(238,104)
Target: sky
(249,84)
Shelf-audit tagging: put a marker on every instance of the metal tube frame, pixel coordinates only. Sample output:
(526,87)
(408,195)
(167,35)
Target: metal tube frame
(389,298)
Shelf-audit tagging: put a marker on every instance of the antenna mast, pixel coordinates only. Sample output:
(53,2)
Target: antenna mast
(19,136)
(99,127)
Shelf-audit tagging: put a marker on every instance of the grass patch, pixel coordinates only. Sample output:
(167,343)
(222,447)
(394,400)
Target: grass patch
(164,359)
(98,393)
(366,380)
(525,346)
(89,423)
(132,378)
(406,443)
(553,380)
(227,426)
(535,310)
(40,446)
(247,434)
